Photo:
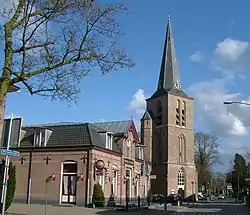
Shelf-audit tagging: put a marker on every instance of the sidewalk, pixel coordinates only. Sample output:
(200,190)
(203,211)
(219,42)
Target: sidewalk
(33,209)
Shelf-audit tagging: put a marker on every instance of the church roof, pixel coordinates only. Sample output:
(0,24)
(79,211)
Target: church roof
(169,73)
(169,79)
(146,116)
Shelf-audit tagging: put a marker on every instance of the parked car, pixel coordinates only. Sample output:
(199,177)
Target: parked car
(212,198)
(174,198)
(221,197)
(157,198)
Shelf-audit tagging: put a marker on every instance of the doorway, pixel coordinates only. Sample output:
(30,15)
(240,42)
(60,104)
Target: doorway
(69,182)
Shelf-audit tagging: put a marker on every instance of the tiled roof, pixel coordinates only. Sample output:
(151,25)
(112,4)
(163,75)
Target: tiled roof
(116,126)
(62,135)
(67,134)
(70,134)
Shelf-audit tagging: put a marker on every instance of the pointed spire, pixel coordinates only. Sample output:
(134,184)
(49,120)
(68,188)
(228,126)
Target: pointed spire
(169,74)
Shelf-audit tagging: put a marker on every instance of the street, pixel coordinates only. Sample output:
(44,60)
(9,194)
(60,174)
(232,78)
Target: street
(213,208)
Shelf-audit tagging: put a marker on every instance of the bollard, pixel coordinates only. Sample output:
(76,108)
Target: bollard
(139,201)
(178,204)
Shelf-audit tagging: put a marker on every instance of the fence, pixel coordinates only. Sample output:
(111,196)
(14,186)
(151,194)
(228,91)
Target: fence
(120,202)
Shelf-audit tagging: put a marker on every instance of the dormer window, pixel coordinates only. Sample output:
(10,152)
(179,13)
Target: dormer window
(41,137)
(141,153)
(109,141)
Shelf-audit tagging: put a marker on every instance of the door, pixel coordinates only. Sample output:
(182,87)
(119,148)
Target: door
(69,189)
(69,182)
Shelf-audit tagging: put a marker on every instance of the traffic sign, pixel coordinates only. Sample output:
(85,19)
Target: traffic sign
(247,179)
(152,177)
(9,152)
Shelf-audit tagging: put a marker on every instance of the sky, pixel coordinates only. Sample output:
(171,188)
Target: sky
(212,40)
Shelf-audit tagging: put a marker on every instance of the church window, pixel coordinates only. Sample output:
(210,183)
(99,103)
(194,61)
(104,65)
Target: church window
(183,114)
(181,177)
(159,113)
(178,114)
(182,149)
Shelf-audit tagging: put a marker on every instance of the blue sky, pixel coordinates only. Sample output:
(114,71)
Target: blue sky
(211,40)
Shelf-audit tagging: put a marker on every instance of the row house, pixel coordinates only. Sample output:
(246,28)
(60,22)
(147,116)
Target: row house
(76,156)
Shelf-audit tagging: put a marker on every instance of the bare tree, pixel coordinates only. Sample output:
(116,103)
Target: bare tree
(50,45)
(206,154)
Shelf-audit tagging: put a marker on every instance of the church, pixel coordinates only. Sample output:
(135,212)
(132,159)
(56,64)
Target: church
(167,126)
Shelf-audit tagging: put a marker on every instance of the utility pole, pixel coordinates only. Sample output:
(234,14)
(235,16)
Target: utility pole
(6,169)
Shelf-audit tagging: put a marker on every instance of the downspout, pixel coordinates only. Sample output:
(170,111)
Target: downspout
(87,180)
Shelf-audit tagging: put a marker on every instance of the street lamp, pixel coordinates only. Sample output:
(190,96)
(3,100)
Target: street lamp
(192,182)
(235,102)
(166,189)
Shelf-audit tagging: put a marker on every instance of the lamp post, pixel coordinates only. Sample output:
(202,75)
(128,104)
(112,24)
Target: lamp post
(166,188)
(235,102)
(192,182)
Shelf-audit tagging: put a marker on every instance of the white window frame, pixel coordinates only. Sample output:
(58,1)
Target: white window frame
(128,148)
(141,154)
(115,182)
(102,181)
(109,141)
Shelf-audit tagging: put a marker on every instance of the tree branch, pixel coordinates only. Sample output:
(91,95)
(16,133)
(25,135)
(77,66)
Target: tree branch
(33,47)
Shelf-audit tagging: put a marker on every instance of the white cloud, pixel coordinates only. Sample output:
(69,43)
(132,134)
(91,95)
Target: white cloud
(231,56)
(197,56)
(222,120)
(231,49)
(138,102)
(229,122)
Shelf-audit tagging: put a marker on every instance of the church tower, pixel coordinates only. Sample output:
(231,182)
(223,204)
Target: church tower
(168,128)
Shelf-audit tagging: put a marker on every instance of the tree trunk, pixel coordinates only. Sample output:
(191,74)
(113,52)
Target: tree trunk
(2,112)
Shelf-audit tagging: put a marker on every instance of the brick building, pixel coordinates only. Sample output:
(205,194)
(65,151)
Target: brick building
(168,126)
(80,155)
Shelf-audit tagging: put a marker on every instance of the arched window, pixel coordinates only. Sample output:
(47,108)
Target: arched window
(183,114)
(182,148)
(159,113)
(181,177)
(178,114)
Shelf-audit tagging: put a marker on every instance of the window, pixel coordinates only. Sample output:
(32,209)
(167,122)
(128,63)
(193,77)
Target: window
(41,137)
(159,113)
(141,153)
(114,183)
(128,181)
(183,114)
(182,149)
(102,180)
(178,114)
(128,148)
(109,141)
(37,139)
(181,178)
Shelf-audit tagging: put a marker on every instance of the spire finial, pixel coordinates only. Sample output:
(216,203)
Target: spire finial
(169,18)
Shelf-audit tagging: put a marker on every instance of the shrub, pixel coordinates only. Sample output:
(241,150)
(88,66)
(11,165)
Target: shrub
(11,183)
(98,196)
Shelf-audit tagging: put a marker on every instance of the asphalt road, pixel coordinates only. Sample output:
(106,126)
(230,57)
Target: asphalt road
(216,208)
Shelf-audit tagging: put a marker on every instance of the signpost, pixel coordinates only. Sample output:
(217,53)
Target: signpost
(7,152)
(152,177)
(247,179)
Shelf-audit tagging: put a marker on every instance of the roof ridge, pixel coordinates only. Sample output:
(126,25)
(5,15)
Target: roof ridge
(55,124)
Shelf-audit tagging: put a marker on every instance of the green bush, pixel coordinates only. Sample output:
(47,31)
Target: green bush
(98,196)
(11,183)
